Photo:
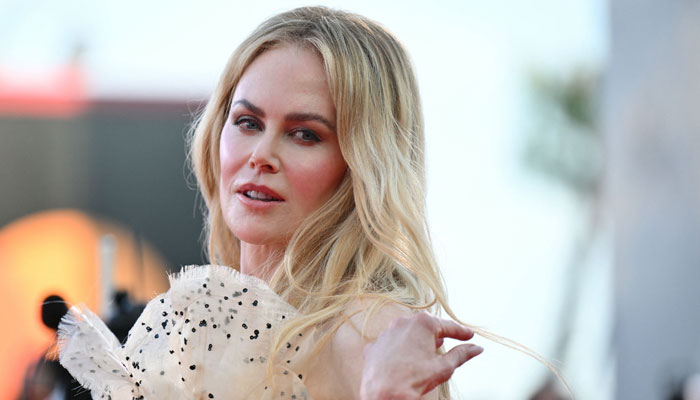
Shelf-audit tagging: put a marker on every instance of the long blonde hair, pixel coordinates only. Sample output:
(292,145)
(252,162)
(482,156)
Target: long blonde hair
(371,238)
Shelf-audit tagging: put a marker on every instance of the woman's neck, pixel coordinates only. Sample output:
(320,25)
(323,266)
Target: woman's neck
(260,260)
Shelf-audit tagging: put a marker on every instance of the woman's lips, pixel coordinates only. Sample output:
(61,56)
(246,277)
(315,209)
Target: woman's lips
(259,192)
(258,196)
(255,195)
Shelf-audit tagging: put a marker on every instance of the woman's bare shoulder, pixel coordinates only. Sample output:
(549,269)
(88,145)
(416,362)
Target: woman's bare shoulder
(366,319)
(339,365)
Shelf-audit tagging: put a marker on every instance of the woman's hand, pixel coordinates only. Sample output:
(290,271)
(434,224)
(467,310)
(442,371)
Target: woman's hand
(403,363)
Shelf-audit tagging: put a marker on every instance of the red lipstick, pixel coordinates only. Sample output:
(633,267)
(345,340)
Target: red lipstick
(258,197)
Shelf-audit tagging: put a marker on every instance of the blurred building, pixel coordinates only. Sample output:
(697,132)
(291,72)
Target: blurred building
(123,160)
(653,126)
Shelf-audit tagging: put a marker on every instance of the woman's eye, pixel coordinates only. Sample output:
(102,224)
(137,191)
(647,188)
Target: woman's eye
(247,124)
(306,136)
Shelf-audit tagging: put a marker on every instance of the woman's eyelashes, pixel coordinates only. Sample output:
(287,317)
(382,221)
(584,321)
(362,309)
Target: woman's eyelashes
(303,135)
(247,124)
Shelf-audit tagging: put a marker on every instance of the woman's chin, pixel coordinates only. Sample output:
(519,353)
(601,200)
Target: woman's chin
(260,238)
(259,231)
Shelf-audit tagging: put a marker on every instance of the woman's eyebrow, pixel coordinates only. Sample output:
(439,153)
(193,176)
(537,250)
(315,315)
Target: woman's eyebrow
(299,117)
(252,107)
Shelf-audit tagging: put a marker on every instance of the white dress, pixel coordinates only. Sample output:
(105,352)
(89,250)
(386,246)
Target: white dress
(208,337)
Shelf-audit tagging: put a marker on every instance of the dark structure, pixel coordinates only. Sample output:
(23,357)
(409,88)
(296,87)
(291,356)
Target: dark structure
(120,160)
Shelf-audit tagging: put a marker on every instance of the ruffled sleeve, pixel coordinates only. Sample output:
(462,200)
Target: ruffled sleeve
(208,337)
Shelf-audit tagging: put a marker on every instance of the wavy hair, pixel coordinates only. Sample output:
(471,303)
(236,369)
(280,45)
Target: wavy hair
(371,238)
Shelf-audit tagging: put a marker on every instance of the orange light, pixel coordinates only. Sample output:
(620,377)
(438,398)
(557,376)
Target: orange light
(56,252)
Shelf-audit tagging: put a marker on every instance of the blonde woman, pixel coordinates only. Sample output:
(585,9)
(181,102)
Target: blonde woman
(310,158)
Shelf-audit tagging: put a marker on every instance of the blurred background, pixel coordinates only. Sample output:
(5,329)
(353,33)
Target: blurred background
(563,172)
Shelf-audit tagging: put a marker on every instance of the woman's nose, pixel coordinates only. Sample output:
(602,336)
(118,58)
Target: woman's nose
(264,157)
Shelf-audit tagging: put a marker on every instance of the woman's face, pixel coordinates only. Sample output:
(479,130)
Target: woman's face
(279,152)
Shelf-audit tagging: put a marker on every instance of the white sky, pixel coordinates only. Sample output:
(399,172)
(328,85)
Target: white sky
(502,235)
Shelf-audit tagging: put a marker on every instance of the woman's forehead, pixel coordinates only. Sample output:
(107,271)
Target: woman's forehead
(286,77)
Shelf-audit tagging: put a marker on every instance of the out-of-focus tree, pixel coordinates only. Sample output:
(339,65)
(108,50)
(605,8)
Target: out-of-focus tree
(565,146)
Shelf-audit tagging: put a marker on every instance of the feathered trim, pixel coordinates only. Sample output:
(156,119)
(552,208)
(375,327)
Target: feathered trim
(222,273)
(82,336)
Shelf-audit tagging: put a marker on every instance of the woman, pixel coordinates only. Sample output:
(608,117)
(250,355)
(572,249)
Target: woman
(349,218)
(310,158)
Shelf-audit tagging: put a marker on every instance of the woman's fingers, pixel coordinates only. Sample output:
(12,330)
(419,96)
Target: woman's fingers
(449,362)
(451,329)
(438,342)
(441,328)
(462,353)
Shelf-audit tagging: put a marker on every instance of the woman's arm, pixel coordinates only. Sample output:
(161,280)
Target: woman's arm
(397,357)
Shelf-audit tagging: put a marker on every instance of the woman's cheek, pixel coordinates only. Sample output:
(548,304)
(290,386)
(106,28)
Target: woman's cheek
(317,181)
(225,154)
(232,152)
